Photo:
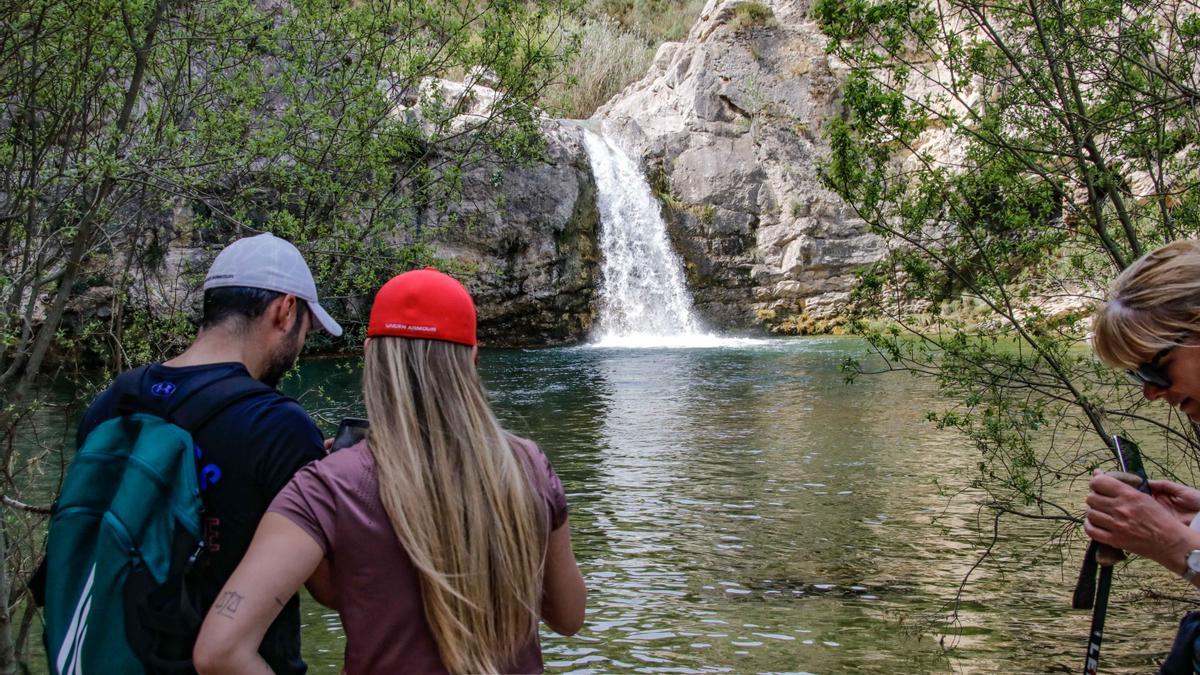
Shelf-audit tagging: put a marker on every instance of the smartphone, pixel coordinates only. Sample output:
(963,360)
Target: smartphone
(350,431)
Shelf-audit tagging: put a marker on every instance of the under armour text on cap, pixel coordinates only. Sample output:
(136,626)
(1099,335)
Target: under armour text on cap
(424,304)
(273,264)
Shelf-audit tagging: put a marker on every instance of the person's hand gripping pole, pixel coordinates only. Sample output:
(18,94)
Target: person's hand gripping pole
(1089,595)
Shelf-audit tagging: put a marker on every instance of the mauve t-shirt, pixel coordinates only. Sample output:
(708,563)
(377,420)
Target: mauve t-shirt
(336,501)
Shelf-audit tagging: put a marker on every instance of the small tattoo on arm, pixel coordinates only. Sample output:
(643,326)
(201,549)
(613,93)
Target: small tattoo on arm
(227,605)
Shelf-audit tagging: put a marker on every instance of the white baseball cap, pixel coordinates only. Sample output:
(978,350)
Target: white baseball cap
(270,263)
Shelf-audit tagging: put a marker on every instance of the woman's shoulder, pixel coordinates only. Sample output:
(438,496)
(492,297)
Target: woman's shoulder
(522,445)
(528,451)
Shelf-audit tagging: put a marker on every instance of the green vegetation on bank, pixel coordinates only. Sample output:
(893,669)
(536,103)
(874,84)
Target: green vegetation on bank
(1020,160)
(657,21)
(751,14)
(609,58)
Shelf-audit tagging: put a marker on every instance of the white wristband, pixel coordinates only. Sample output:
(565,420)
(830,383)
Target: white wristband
(1188,573)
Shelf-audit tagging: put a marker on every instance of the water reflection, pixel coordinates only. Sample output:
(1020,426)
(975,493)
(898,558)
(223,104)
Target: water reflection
(638,523)
(743,510)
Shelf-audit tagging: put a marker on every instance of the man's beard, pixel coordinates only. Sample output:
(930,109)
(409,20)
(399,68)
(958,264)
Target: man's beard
(283,358)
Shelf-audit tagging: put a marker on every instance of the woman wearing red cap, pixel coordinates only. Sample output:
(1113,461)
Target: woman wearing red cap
(441,539)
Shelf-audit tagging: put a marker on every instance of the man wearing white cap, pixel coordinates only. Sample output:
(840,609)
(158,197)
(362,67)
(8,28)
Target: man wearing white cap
(260,302)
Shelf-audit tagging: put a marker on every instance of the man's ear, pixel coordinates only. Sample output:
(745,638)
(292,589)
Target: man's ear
(282,312)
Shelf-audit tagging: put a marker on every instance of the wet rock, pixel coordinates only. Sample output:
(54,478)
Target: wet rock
(527,237)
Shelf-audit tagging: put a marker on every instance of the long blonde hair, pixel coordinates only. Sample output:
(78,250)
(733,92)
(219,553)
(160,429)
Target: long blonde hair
(1153,304)
(458,498)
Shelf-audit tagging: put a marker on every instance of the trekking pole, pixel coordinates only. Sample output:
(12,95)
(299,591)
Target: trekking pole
(1087,593)
(1096,634)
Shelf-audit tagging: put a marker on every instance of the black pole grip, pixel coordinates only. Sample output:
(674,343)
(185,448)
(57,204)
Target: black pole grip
(1085,588)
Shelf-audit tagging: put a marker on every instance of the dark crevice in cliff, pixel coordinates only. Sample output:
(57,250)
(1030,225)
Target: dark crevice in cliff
(734,107)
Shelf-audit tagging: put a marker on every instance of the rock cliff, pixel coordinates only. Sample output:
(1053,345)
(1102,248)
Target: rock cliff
(522,237)
(730,125)
(526,237)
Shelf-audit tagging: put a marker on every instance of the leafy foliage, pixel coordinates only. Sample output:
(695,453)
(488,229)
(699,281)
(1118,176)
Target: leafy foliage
(616,40)
(656,21)
(133,131)
(1015,156)
(609,58)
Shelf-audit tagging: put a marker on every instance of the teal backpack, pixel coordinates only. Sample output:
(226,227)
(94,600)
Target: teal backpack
(127,530)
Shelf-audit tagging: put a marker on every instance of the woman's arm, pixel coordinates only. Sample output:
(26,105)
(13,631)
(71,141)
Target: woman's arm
(564,595)
(320,585)
(281,557)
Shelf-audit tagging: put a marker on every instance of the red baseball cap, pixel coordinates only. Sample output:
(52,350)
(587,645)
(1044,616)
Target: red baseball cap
(424,304)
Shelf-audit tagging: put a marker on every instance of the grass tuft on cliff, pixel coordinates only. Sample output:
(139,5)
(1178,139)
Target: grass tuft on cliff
(609,58)
(655,21)
(617,41)
(751,15)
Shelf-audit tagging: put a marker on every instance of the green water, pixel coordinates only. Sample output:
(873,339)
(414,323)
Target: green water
(744,510)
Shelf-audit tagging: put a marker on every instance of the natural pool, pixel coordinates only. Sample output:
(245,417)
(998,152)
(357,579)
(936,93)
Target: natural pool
(742,509)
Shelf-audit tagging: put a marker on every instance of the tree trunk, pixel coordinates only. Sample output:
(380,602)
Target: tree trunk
(8,662)
(85,230)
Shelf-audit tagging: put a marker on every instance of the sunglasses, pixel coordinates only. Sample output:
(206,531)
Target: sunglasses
(1152,372)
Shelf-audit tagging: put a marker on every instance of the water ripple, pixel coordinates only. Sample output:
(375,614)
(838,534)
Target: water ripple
(743,510)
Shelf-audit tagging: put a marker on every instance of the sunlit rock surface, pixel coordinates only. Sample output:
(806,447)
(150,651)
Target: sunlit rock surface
(730,125)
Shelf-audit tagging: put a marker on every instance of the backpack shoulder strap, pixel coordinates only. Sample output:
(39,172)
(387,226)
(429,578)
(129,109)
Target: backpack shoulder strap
(197,408)
(126,387)
(205,403)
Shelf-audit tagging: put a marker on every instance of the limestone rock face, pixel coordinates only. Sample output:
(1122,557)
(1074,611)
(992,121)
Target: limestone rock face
(730,126)
(526,238)
(521,237)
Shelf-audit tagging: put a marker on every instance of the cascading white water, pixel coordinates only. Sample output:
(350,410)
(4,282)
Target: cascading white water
(643,300)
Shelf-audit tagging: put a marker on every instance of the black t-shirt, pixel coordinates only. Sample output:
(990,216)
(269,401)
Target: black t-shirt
(245,455)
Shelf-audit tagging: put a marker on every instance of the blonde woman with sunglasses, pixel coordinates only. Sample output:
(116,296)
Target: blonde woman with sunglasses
(1149,327)
(441,539)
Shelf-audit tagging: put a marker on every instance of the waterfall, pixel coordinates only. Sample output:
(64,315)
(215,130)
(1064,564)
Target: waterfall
(643,301)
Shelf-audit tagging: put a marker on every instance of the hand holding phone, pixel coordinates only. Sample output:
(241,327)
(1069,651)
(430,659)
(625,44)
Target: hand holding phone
(350,431)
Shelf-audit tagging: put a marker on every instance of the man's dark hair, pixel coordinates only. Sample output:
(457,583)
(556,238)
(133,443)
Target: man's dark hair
(241,304)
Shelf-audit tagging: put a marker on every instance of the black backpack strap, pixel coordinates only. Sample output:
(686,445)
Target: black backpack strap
(127,387)
(196,409)
(193,412)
